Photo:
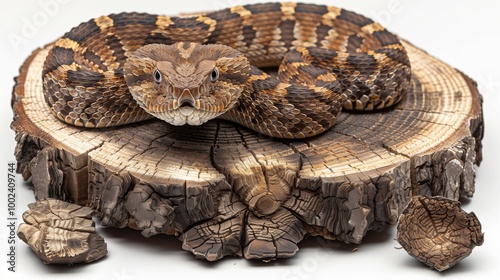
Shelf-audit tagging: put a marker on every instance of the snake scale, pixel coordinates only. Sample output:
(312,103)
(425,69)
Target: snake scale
(128,67)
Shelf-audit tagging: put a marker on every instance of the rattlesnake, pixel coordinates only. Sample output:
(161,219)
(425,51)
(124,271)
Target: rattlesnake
(128,67)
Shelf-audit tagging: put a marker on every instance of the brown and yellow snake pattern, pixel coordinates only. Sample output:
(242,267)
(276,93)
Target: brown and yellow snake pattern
(128,67)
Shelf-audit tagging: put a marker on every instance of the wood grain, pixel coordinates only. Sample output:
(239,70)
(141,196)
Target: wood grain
(225,190)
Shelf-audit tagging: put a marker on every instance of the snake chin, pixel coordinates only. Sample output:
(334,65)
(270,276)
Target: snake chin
(186,115)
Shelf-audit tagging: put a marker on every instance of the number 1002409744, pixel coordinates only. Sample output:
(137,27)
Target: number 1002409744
(11,189)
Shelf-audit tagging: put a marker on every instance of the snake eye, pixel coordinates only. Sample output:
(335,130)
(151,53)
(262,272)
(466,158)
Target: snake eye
(214,75)
(157,76)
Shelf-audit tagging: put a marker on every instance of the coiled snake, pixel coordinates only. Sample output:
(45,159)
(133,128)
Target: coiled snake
(128,67)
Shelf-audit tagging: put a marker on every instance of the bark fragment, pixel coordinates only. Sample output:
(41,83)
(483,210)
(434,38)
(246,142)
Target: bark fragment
(61,233)
(437,232)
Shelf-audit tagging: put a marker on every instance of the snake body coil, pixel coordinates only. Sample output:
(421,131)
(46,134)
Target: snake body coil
(128,67)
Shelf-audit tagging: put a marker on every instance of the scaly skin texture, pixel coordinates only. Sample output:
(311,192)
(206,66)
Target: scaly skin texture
(128,67)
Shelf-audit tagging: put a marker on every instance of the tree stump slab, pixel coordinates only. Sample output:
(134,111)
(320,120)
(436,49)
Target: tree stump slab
(225,190)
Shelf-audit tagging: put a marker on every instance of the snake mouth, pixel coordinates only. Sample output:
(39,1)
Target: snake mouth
(186,104)
(185,110)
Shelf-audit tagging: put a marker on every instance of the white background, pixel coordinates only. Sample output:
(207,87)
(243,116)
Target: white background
(465,34)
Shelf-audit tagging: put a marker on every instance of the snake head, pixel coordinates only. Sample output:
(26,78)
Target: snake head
(186,83)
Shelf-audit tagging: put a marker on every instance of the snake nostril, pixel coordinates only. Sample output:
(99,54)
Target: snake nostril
(186,99)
